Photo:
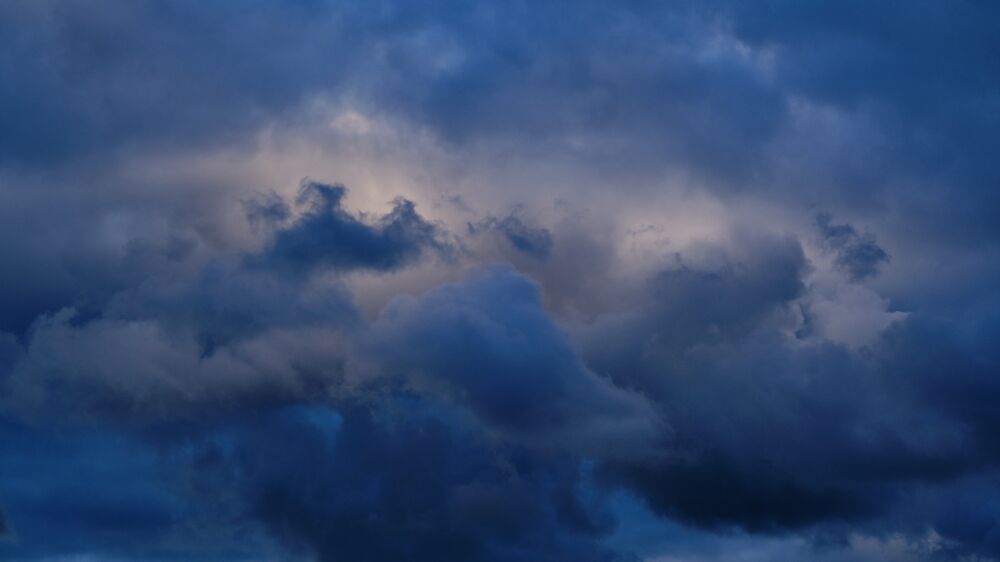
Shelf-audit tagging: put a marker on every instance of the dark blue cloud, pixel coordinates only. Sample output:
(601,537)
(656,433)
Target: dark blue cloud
(176,383)
(857,254)
(223,302)
(928,89)
(362,486)
(489,345)
(358,483)
(82,79)
(328,237)
(73,492)
(769,432)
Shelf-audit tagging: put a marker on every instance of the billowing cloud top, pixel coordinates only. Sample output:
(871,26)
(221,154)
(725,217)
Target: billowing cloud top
(499,281)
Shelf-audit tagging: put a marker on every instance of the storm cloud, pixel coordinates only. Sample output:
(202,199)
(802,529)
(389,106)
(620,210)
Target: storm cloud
(513,281)
(326,236)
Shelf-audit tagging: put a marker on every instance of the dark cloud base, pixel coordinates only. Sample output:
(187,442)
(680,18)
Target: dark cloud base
(464,423)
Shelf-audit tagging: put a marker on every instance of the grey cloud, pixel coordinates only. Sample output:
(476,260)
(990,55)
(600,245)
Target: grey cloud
(857,254)
(269,210)
(137,372)
(153,75)
(531,240)
(456,424)
(770,432)
(487,343)
(710,294)
(805,434)
(356,483)
(224,302)
(681,87)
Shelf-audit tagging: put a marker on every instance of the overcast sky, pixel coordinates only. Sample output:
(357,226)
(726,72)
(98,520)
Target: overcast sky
(499,281)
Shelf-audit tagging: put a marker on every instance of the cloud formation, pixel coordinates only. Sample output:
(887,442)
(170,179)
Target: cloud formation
(613,282)
(327,237)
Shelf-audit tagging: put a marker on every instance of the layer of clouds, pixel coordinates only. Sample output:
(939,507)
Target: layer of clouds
(716,272)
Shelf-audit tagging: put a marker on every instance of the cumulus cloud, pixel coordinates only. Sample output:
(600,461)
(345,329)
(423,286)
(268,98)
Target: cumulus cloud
(771,429)
(487,343)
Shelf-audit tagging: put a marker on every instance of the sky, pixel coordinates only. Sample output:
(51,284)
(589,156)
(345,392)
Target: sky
(499,281)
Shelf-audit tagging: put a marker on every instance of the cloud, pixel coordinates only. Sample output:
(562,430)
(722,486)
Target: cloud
(135,372)
(359,485)
(771,430)
(713,493)
(487,344)
(123,501)
(237,419)
(196,364)
(680,394)
(270,210)
(856,254)
(327,237)
(143,75)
